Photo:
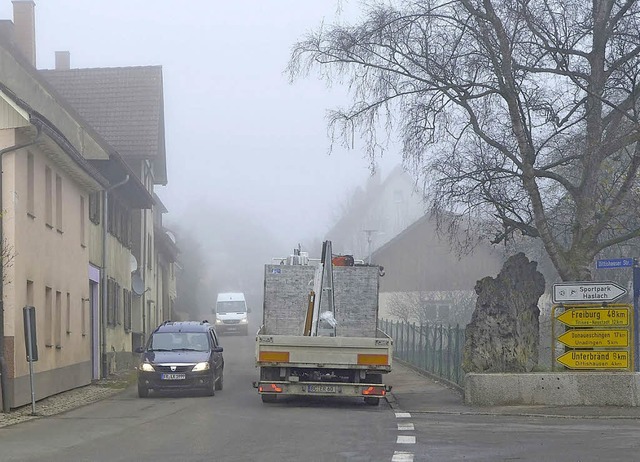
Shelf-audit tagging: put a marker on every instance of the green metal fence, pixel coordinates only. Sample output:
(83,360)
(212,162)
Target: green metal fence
(435,348)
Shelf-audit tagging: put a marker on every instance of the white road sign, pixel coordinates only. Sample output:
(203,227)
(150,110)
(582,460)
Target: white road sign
(598,292)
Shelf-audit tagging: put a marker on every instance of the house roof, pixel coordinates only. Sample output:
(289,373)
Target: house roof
(419,259)
(124,104)
(49,107)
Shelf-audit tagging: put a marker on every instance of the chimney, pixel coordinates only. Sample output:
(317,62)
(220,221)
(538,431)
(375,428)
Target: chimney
(63,60)
(24,19)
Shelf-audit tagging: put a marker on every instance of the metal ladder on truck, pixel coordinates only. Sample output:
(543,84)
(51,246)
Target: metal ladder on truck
(322,287)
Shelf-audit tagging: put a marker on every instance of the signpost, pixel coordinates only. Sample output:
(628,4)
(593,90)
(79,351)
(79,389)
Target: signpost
(576,292)
(636,315)
(600,336)
(585,316)
(594,338)
(595,359)
(31,343)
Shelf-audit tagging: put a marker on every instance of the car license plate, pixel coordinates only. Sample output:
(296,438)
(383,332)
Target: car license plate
(173,376)
(321,389)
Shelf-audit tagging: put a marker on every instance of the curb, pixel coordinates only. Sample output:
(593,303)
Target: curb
(525,414)
(391,400)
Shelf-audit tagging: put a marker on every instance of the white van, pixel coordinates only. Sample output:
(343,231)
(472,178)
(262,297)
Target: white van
(231,313)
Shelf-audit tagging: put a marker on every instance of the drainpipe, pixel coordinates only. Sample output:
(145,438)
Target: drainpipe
(145,256)
(105,228)
(3,363)
(144,271)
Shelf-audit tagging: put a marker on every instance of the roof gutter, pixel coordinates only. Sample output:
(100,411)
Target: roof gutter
(3,249)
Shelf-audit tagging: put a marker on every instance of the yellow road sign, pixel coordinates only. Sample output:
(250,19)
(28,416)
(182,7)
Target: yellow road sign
(594,359)
(595,317)
(590,338)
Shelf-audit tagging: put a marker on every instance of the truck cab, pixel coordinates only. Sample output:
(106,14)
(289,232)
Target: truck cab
(231,313)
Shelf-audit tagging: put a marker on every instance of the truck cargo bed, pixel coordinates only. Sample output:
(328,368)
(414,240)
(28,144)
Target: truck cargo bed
(325,352)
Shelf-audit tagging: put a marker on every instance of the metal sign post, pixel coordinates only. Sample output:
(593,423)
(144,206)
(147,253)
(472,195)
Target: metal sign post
(29,314)
(636,313)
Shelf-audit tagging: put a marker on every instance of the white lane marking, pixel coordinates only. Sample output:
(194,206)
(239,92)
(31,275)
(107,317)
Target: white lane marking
(404,439)
(401,456)
(404,427)
(402,415)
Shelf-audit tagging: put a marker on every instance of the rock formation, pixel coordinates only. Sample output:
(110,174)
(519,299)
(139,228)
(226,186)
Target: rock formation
(503,334)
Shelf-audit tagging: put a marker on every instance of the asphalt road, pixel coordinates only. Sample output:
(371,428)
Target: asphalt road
(442,437)
(234,425)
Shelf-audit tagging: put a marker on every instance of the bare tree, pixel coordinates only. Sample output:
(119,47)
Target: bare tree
(522,111)
(448,307)
(402,306)
(7,258)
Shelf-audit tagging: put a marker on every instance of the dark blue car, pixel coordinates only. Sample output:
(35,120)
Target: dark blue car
(181,356)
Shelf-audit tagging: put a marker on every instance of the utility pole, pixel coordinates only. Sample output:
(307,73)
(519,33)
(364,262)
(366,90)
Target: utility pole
(369,233)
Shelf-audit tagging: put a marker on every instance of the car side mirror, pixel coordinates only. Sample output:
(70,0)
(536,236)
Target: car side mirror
(248,310)
(218,349)
(139,350)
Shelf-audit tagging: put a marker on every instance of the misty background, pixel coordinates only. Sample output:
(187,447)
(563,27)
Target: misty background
(250,175)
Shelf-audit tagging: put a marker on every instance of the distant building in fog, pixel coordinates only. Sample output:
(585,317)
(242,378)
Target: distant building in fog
(378,212)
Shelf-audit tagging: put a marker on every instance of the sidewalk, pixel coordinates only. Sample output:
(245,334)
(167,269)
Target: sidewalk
(416,393)
(68,400)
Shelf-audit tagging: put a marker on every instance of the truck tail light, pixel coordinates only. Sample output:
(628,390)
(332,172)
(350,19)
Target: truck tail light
(270,388)
(373,360)
(374,391)
(274,357)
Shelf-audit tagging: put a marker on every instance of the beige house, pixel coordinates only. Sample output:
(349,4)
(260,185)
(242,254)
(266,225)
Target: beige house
(46,185)
(126,105)
(62,181)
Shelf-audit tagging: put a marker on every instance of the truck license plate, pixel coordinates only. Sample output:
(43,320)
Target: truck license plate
(173,376)
(321,389)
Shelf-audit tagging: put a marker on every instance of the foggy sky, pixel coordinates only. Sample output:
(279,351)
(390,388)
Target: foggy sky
(238,134)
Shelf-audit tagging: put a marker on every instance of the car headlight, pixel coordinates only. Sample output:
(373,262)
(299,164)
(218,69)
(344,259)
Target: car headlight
(218,321)
(200,367)
(146,367)
(243,321)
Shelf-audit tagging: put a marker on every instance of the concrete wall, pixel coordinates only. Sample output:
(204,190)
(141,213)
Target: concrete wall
(560,389)
(51,382)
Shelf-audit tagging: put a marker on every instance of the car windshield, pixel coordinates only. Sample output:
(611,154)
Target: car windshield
(231,307)
(179,341)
